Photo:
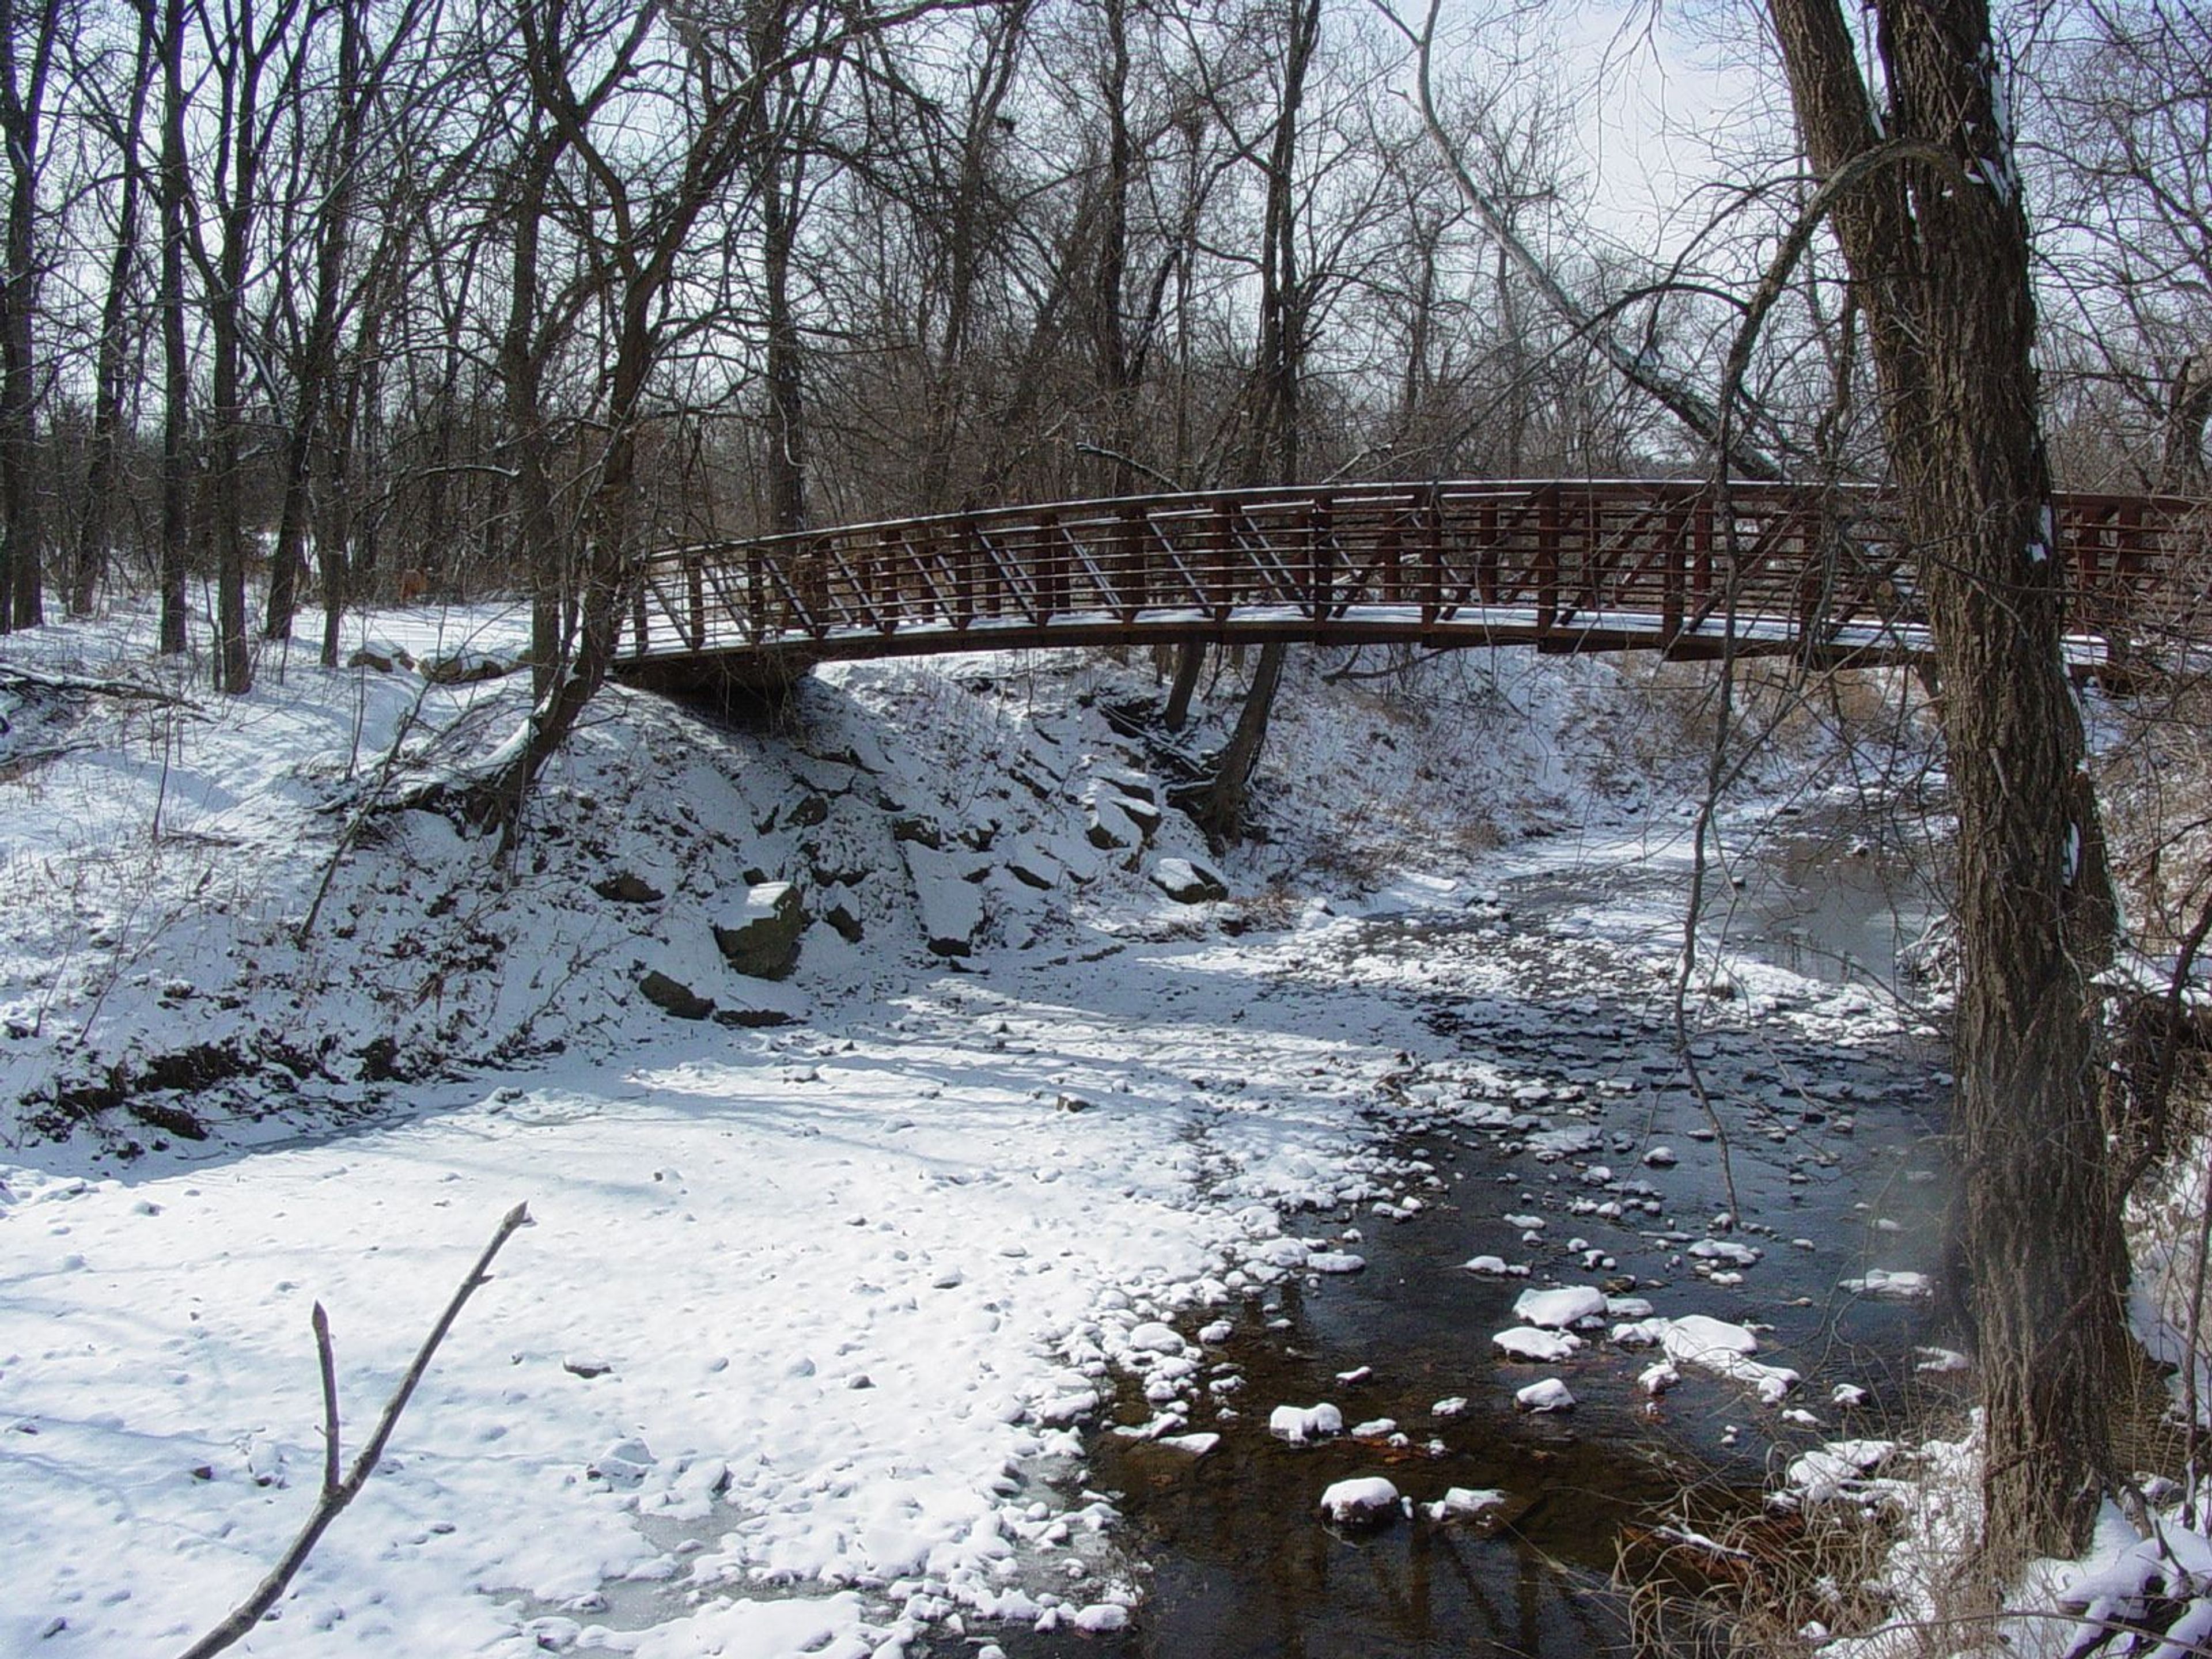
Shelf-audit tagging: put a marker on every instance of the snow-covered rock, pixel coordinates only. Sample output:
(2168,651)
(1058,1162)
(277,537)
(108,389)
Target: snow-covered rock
(1549,1395)
(1556,1309)
(1370,1500)
(1301,1423)
(1531,1343)
(1187,881)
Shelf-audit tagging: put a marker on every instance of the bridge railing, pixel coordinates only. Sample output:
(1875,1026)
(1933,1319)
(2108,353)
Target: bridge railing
(1661,564)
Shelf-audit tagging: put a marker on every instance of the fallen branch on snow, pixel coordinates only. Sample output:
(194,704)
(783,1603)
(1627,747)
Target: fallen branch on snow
(336,1493)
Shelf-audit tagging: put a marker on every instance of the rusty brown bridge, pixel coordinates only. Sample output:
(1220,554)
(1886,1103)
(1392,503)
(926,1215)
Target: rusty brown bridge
(1824,574)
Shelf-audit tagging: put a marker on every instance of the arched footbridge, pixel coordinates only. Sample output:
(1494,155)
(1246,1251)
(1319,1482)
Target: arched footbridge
(1680,567)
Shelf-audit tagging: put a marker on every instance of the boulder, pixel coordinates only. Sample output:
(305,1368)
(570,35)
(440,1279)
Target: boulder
(1111,826)
(625,888)
(950,902)
(465,668)
(674,997)
(1368,1502)
(1034,868)
(763,943)
(1142,813)
(1187,882)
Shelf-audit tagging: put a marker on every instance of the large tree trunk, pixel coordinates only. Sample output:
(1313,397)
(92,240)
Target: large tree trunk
(2188,410)
(786,386)
(1938,250)
(176,369)
(319,353)
(23,98)
(108,376)
(1275,427)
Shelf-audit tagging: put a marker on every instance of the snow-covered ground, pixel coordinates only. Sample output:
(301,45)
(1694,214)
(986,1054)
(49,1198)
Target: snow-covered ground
(827,1271)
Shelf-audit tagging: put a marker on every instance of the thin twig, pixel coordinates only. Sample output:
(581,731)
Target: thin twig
(336,1493)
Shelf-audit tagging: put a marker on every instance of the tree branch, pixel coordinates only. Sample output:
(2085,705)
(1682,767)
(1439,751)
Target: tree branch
(336,1493)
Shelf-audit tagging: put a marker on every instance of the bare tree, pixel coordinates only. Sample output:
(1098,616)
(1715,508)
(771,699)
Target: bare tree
(1925,198)
(176,365)
(29,37)
(122,129)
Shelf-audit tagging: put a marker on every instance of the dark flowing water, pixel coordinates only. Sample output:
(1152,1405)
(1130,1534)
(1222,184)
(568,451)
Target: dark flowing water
(1835,1170)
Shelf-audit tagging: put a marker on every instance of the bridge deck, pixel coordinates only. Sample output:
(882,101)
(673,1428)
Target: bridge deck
(1824,574)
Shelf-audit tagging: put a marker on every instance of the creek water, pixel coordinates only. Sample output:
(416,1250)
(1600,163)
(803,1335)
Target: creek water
(1832,1152)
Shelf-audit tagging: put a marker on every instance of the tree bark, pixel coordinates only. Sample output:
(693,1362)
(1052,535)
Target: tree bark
(176,368)
(1275,428)
(319,351)
(90,564)
(1939,259)
(2188,410)
(22,100)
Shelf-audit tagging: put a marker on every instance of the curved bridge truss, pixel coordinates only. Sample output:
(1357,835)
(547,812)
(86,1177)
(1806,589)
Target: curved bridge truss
(1824,574)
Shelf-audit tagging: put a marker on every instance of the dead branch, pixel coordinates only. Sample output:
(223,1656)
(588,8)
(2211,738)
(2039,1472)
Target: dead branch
(30,679)
(337,1493)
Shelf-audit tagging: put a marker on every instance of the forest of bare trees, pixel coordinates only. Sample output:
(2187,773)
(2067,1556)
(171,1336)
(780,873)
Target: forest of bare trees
(302,295)
(308,302)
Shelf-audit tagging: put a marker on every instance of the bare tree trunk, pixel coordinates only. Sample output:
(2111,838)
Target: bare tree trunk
(1275,428)
(176,407)
(1190,663)
(1938,254)
(786,387)
(521,367)
(2188,410)
(318,352)
(97,514)
(22,100)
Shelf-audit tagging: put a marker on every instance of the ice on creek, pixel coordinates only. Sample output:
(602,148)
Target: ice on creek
(1900,1286)
(1569,1304)
(1466,1504)
(1525,1222)
(1299,1424)
(1549,1395)
(1529,1343)
(1712,1344)
(1368,1500)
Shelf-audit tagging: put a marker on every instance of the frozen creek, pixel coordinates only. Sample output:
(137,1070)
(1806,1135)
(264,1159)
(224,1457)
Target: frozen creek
(824,1335)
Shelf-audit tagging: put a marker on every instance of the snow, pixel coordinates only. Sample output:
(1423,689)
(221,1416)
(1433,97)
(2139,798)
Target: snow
(1549,1395)
(811,1310)
(1367,1499)
(1713,1344)
(1527,1342)
(1898,1285)
(1300,1424)
(1557,1309)
(1467,1503)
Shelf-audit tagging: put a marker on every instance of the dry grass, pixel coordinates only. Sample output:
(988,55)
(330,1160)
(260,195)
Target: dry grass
(1753,1585)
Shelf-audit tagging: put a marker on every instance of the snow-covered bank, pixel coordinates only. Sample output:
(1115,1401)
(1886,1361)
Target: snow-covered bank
(810,1310)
